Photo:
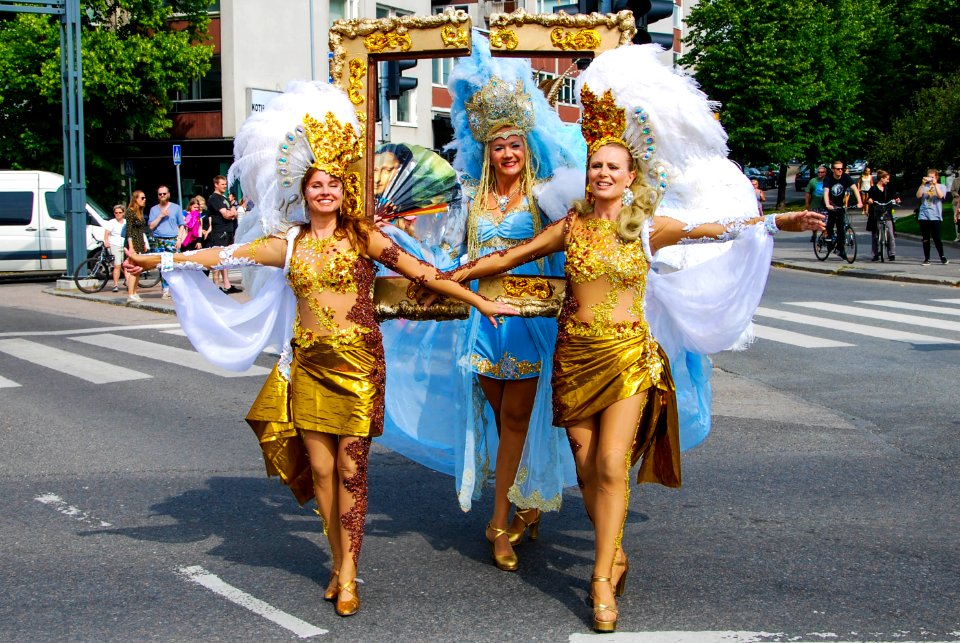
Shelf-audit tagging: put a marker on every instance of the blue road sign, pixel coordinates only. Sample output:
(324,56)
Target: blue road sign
(176,155)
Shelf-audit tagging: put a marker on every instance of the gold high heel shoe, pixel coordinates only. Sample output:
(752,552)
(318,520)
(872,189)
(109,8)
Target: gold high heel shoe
(352,605)
(330,594)
(533,526)
(598,625)
(621,585)
(506,562)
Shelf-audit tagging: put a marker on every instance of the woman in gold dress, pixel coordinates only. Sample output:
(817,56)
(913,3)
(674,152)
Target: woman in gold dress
(323,403)
(612,386)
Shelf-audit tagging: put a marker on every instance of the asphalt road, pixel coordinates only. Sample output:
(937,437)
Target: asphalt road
(822,506)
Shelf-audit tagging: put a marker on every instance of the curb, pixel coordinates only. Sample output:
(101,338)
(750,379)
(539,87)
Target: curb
(845,271)
(143,305)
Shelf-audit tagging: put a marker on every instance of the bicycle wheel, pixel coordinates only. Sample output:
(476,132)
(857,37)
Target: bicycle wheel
(883,244)
(822,247)
(91,276)
(850,237)
(149,278)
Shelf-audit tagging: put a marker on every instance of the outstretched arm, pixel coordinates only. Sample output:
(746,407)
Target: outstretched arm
(667,231)
(549,240)
(383,249)
(266,251)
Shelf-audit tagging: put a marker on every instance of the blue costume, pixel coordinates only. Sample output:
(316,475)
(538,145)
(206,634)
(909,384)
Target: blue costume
(436,413)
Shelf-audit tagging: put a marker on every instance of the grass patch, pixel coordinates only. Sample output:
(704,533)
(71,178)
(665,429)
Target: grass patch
(907,222)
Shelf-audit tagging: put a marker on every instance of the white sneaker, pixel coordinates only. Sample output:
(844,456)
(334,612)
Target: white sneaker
(166,294)
(134,298)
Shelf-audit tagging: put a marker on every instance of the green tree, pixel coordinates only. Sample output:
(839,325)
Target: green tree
(926,135)
(134,59)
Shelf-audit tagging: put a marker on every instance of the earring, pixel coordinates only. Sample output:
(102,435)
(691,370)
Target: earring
(627,197)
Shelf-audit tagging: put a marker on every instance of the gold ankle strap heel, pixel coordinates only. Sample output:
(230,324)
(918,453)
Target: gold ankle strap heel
(598,625)
(532,525)
(506,562)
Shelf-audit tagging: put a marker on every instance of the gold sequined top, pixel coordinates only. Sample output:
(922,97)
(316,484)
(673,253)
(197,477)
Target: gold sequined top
(607,279)
(328,276)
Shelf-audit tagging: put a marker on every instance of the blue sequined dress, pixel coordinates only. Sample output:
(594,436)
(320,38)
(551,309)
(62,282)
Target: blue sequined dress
(436,412)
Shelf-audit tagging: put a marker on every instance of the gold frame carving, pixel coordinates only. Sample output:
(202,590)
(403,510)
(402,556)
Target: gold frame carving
(539,34)
(364,42)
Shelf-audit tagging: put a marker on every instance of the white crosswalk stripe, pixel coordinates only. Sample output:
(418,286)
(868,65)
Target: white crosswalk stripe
(899,318)
(795,339)
(85,368)
(947,301)
(917,308)
(5,383)
(876,332)
(163,353)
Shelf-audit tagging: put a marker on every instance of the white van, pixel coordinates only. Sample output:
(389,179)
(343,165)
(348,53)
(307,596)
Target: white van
(33,228)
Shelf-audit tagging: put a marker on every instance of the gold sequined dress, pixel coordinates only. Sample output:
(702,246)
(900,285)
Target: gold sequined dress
(605,352)
(333,381)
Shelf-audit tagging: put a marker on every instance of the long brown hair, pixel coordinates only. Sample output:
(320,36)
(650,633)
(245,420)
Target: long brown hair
(355,229)
(134,205)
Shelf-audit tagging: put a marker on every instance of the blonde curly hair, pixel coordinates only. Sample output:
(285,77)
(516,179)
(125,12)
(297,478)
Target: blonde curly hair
(631,217)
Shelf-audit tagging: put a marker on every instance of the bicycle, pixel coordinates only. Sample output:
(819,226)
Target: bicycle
(884,213)
(824,245)
(92,275)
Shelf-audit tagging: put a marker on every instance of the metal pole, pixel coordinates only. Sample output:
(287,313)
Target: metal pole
(179,191)
(75,192)
(313,52)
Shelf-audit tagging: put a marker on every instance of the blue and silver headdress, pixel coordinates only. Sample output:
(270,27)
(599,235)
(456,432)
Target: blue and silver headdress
(507,86)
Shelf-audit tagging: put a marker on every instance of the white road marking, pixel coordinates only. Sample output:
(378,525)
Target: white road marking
(81,331)
(62,506)
(176,331)
(732,637)
(795,339)
(202,577)
(897,318)
(947,301)
(857,329)
(85,368)
(163,353)
(5,383)
(918,308)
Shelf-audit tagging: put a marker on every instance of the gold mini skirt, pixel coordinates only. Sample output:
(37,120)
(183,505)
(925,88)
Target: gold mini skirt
(335,387)
(591,373)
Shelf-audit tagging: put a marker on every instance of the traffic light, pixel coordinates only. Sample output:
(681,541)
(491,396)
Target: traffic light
(578,6)
(397,84)
(646,12)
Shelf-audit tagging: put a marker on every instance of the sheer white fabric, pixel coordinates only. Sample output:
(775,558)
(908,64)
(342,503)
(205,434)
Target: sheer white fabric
(229,333)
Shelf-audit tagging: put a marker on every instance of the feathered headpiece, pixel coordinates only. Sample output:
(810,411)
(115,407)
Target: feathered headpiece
(310,125)
(546,138)
(500,104)
(669,126)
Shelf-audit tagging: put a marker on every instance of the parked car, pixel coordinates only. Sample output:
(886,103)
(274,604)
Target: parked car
(763,179)
(855,168)
(33,230)
(804,174)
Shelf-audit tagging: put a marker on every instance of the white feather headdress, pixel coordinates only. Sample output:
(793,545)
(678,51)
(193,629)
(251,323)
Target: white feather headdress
(311,124)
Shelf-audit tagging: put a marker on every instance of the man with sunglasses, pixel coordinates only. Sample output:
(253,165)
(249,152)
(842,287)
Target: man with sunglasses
(166,223)
(835,188)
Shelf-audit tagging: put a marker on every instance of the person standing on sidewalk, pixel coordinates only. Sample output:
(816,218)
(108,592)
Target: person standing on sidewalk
(113,239)
(930,213)
(136,238)
(880,216)
(166,223)
(813,200)
(835,191)
(221,216)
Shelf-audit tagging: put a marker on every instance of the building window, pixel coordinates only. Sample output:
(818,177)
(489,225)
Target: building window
(404,109)
(441,70)
(547,6)
(204,94)
(337,10)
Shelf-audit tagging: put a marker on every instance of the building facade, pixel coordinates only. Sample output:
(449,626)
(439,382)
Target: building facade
(259,47)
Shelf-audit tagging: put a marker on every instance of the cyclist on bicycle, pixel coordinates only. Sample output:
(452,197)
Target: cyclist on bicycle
(878,199)
(835,188)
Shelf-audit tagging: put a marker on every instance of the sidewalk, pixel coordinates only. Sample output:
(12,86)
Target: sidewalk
(794,250)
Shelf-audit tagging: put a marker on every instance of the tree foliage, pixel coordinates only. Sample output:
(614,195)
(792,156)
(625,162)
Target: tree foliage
(133,61)
(818,79)
(926,135)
